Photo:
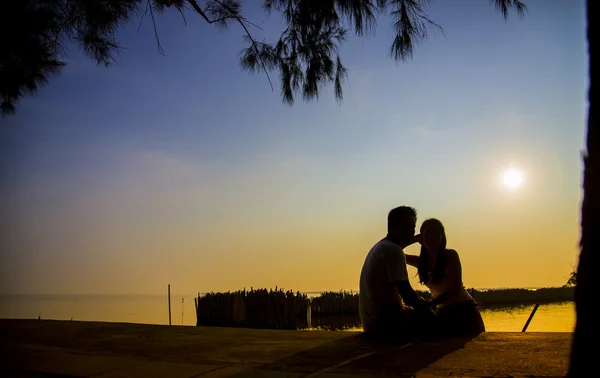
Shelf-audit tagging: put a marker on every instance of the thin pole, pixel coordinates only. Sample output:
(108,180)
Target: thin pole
(530,317)
(169,304)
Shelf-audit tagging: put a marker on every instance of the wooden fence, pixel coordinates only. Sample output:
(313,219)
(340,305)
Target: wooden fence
(274,309)
(334,303)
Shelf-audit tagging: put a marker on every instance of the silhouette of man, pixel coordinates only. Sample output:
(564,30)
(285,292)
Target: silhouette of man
(384,287)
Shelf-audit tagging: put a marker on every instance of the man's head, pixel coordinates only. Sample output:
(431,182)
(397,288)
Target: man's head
(402,222)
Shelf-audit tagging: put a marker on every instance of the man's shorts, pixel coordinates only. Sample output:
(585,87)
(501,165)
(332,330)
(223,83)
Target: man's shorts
(405,325)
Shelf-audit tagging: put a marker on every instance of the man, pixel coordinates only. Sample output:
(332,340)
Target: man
(384,287)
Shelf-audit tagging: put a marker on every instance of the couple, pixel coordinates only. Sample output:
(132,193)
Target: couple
(388,305)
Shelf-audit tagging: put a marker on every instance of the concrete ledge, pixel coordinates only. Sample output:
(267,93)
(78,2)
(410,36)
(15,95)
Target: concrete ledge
(70,364)
(41,348)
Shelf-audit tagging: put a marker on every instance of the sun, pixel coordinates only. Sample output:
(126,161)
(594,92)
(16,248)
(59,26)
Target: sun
(513,178)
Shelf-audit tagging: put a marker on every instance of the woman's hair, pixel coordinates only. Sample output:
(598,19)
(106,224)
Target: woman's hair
(440,262)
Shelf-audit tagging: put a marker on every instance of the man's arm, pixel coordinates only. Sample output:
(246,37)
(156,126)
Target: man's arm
(398,275)
(409,296)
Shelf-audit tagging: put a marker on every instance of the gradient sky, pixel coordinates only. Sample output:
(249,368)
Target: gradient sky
(185,170)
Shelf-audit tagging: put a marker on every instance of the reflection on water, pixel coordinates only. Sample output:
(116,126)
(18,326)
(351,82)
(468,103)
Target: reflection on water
(553,317)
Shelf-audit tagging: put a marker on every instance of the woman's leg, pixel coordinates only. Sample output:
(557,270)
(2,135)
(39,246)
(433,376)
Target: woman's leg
(461,319)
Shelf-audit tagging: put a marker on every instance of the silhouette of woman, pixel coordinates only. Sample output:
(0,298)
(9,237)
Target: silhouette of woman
(440,270)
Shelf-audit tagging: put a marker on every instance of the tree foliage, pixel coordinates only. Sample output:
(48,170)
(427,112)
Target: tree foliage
(306,55)
(35,32)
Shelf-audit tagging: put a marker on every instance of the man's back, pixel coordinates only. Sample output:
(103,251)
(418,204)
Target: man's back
(379,300)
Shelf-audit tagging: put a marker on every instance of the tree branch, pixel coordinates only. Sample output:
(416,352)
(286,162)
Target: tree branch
(242,21)
(143,15)
(160,49)
(251,39)
(199,10)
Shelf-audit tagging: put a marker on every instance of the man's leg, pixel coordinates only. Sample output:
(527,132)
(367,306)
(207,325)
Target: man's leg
(461,319)
(408,325)
(424,323)
(395,327)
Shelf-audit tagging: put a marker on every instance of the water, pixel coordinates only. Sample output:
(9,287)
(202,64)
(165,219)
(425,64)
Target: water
(148,309)
(151,309)
(552,317)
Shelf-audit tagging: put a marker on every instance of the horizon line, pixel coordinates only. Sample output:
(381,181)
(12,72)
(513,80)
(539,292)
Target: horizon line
(176,295)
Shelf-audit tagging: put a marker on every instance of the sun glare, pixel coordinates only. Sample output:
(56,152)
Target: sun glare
(513,179)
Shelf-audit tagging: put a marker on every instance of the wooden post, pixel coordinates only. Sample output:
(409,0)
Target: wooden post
(196,306)
(530,317)
(169,304)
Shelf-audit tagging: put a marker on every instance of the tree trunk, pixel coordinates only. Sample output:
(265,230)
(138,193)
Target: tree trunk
(584,347)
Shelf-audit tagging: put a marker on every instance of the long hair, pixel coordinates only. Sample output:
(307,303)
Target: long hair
(440,261)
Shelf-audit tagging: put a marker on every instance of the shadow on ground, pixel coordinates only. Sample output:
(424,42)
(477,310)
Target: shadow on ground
(359,355)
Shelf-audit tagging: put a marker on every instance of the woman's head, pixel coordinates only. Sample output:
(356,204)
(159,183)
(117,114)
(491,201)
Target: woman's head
(433,235)
(433,241)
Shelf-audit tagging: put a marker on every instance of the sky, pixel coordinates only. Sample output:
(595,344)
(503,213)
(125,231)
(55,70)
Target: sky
(185,170)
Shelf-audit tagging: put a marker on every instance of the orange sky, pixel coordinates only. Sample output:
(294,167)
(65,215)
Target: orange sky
(126,179)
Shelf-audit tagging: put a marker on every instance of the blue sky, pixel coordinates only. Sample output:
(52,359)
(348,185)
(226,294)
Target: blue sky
(185,169)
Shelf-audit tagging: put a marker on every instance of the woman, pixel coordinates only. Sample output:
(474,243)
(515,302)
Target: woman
(440,270)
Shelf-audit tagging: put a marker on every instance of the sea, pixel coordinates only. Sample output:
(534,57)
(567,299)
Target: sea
(154,309)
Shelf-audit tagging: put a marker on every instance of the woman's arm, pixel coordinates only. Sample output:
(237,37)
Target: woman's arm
(412,260)
(453,276)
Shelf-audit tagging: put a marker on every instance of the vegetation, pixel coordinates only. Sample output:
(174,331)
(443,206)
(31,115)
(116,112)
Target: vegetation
(522,296)
(572,281)
(306,54)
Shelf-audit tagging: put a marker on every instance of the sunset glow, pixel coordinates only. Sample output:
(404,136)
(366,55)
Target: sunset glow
(513,178)
(184,170)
